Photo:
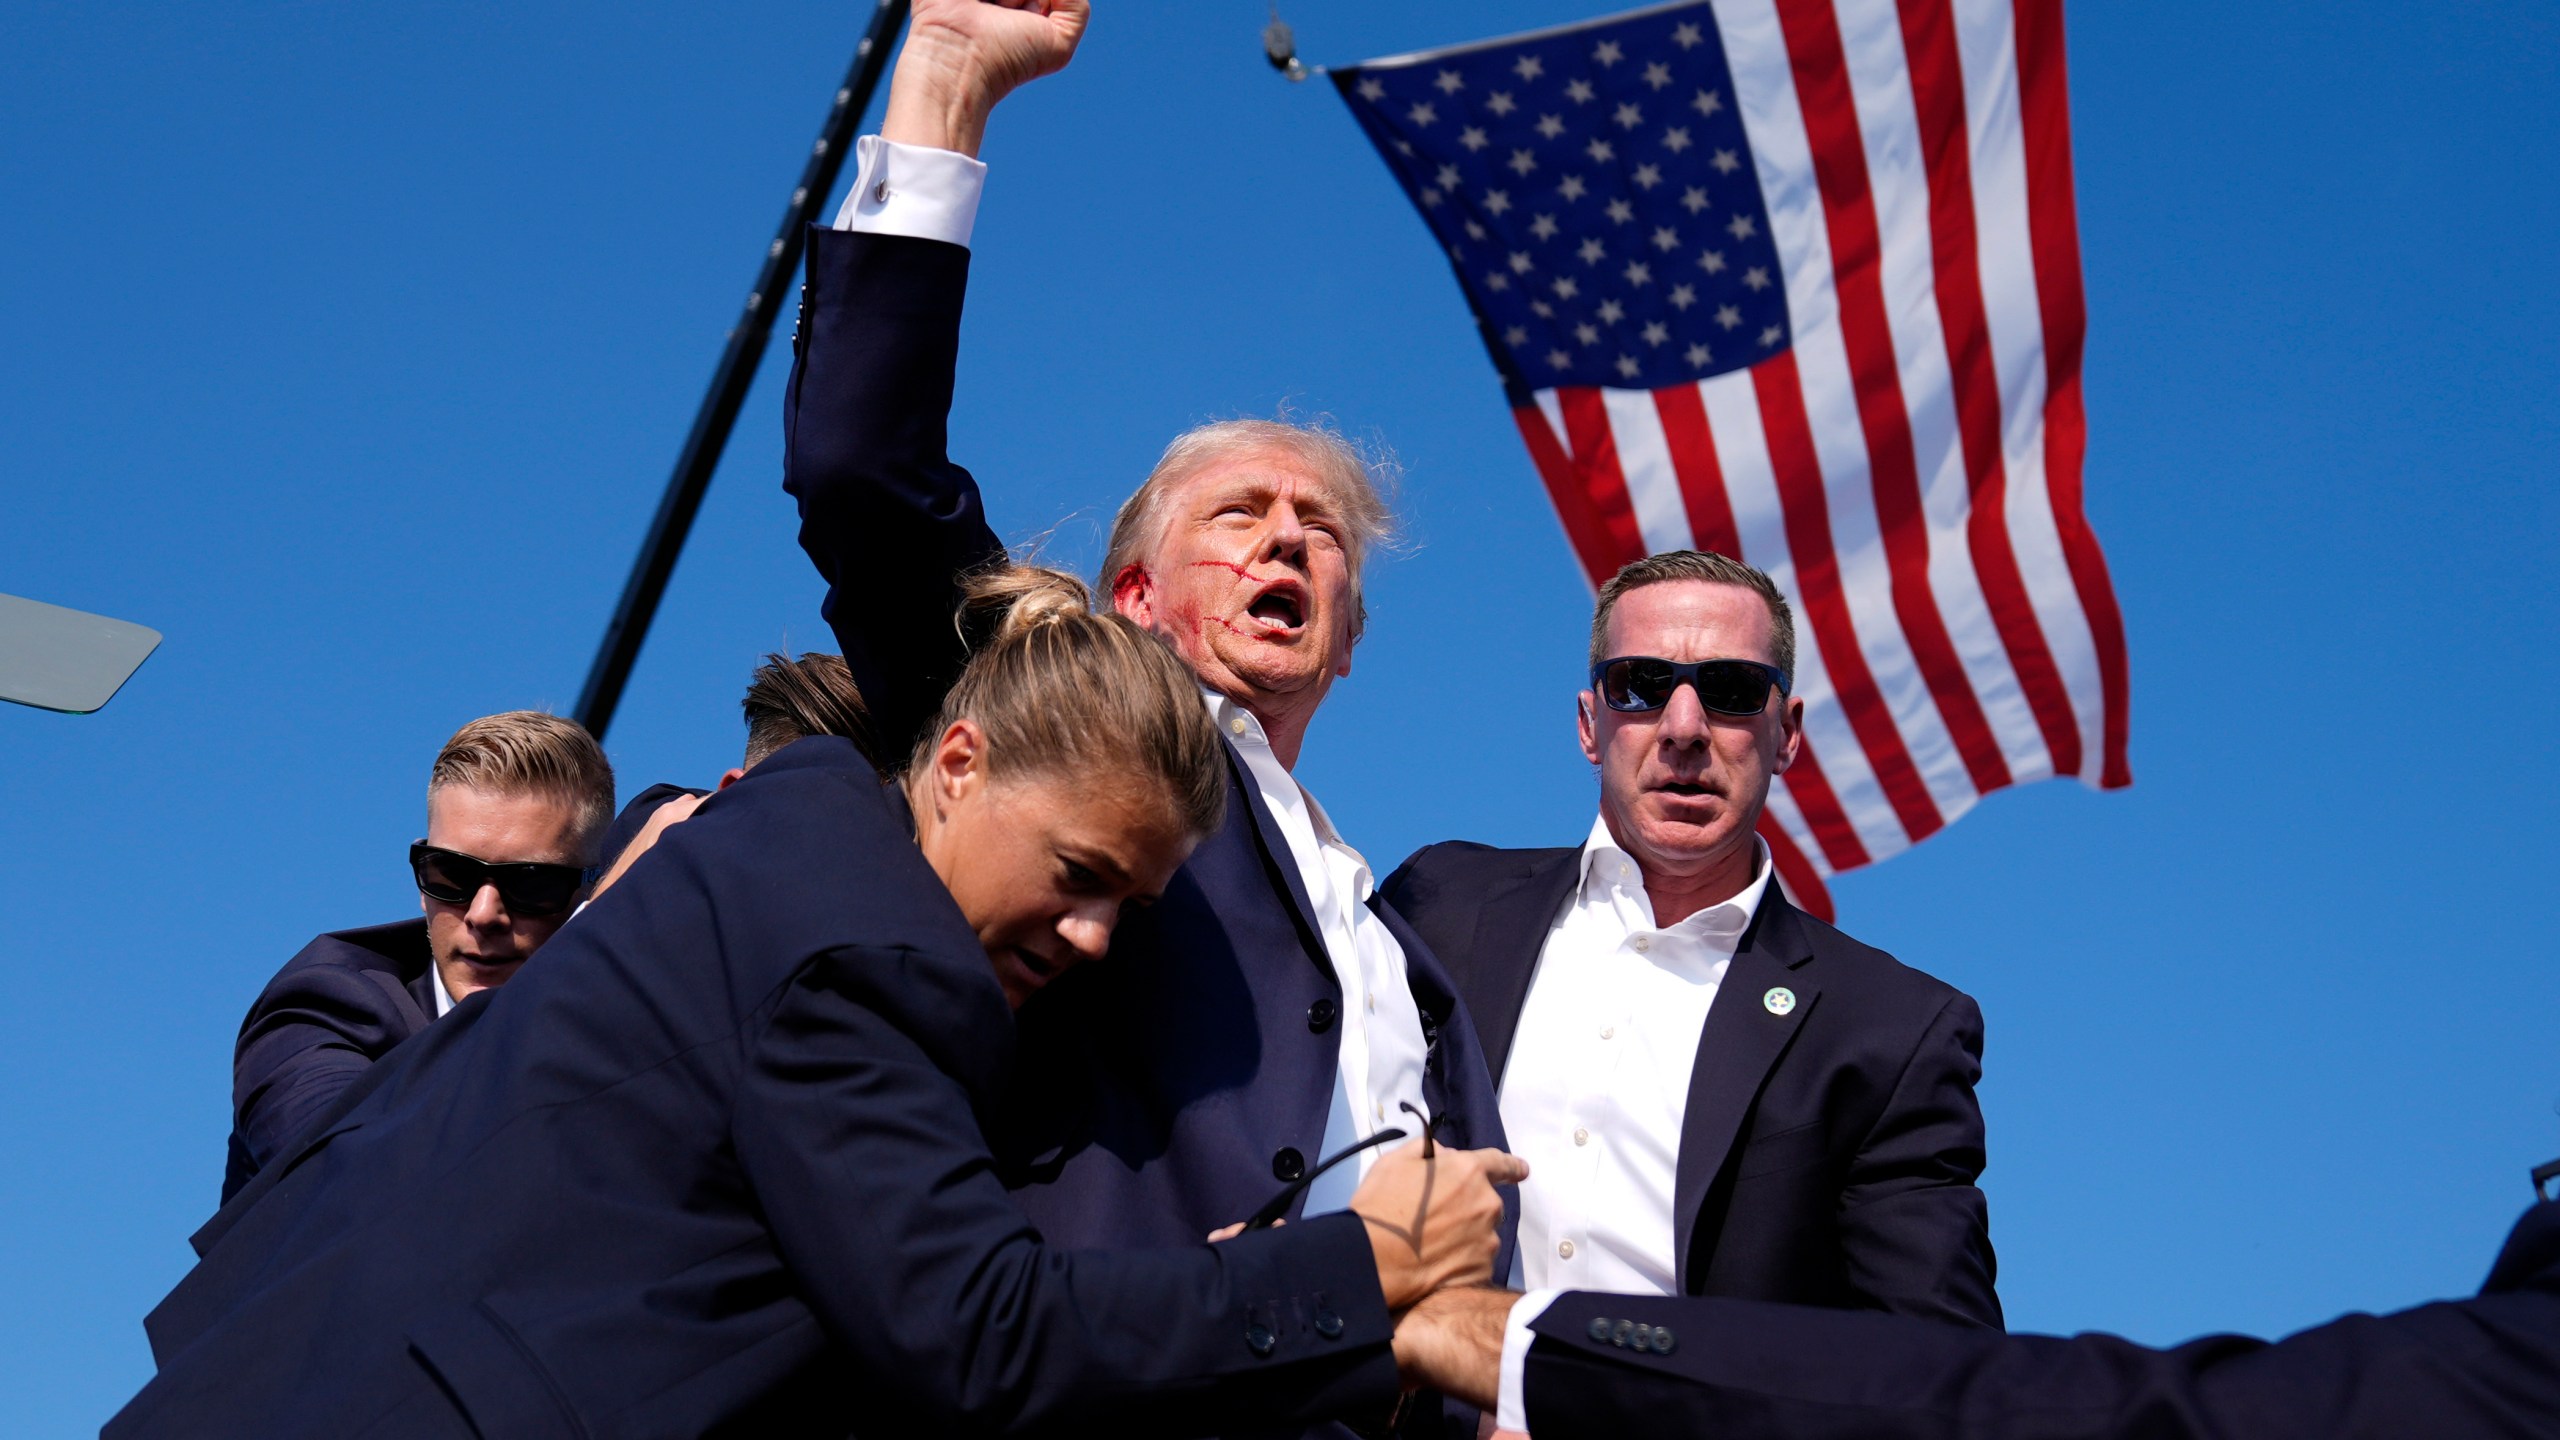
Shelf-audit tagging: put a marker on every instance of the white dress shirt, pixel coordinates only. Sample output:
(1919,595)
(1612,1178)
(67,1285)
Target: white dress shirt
(933,195)
(444,997)
(912,190)
(1597,1084)
(1378,1068)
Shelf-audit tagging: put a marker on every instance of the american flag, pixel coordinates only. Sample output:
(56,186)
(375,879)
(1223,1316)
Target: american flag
(1799,281)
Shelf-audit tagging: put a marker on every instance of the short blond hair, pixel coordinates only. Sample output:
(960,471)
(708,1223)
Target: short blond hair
(529,752)
(1357,480)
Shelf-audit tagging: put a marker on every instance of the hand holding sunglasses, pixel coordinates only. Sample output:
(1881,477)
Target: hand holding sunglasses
(1637,683)
(453,878)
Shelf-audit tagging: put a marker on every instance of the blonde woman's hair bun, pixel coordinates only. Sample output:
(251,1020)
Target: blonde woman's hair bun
(1003,601)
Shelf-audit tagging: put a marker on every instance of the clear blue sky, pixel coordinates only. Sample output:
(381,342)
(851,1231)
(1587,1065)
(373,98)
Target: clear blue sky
(349,345)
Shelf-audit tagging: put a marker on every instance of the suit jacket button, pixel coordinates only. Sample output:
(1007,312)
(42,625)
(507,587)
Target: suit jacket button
(1259,1339)
(1328,1325)
(1621,1333)
(1320,1015)
(1662,1341)
(1288,1164)
(1600,1329)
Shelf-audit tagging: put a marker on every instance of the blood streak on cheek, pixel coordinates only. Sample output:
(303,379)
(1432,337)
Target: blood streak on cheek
(1239,571)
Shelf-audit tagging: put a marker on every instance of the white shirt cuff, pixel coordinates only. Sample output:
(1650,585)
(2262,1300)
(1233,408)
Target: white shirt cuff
(1511,1411)
(912,190)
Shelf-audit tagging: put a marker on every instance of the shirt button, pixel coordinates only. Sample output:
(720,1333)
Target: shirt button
(1608,1032)
(1373,1003)
(1564,1249)
(1643,943)
(1236,725)
(1581,1136)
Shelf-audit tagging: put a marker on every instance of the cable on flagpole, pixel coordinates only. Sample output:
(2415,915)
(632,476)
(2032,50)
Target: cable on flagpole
(1280,47)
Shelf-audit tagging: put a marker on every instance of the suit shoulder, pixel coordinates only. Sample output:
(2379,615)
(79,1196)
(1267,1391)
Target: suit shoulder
(1468,861)
(1845,956)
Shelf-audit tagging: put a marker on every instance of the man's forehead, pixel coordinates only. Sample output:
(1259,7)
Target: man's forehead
(1731,621)
(1257,474)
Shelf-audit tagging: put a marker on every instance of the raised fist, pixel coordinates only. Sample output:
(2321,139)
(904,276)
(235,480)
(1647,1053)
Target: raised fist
(962,56)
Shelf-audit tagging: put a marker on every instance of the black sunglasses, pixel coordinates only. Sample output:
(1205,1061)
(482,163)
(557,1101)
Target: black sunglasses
(528,888)
(1727,687)
(1271,1214)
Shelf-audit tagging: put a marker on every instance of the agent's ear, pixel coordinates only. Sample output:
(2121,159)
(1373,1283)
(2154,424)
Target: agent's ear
(1790,735)
(959,762)
(1586,722)
(731,776)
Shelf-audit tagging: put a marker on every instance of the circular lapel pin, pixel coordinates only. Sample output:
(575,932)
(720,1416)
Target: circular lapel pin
(1779,1000)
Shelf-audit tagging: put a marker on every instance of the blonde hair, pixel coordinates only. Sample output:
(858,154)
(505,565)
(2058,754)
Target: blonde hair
(1061,691)
(528,752)
(1355,480)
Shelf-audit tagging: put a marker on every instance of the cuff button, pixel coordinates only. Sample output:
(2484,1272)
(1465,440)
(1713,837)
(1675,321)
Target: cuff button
(1328,1325)
(1600,1330)
(1259,1339)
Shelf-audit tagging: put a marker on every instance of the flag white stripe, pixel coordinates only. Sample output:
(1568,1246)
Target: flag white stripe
(1764,85)
(1644,458)
(1742,452)
(1897,172)
(1986,37)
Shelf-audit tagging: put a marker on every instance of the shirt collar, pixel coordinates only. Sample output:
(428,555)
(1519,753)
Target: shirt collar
(444,997)
(1605,863)
(1239,725)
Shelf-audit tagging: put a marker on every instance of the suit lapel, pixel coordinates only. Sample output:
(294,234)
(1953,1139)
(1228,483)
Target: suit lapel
(1511,931)
(1741,1043)
(1278,856)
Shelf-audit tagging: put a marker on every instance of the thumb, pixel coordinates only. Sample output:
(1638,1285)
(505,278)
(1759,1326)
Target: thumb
(1500,1166)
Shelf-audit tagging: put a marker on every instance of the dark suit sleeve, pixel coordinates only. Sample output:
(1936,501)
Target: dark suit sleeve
(1915,1230)
(1744,1371)
(887,517)
(883,1199)
(314,1031)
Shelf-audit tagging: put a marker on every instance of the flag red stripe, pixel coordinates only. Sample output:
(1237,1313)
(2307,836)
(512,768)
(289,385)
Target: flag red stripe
(1693,458)
(1822,813)
(1604,484)
(1803,883)
(2054,234)
(1821,71)
(1937,93)
(1573,508)
(1807,516)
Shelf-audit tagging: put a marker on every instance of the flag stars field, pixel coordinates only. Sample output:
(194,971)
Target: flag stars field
(1576,114)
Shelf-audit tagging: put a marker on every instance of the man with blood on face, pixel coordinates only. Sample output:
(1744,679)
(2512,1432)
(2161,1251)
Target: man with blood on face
(1718,1094)
(1268,1011)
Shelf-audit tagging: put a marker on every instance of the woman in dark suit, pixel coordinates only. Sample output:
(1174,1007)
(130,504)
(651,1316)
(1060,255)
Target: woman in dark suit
(714,1166)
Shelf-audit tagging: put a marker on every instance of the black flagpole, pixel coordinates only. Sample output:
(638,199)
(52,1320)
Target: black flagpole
(737,371)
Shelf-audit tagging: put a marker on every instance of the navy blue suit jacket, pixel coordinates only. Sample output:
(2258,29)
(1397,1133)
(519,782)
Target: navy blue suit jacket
(335,1008)
(2487,1366)
(1171,1088)
(1828,1155)
(713,1168)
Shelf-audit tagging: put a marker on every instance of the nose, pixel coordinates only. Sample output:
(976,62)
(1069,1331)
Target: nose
(488,911)
(1087,929)
(1284,537)
(1683,724)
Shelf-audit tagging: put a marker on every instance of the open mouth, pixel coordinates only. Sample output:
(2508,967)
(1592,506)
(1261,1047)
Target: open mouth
(1690,789)
(1038,968)
(1282,606)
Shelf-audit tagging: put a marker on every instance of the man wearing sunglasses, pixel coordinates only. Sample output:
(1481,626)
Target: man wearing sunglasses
(1717,1094)
(515,806)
